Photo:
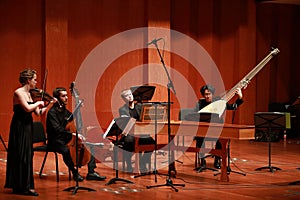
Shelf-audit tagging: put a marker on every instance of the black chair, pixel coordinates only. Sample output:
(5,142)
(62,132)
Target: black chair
(39,136)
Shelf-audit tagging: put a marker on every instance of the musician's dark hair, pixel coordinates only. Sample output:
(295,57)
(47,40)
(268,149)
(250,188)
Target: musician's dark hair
(26,74)
(56,91)
(207,87)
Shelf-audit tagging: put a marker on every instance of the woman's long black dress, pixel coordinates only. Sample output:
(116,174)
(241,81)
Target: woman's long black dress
(19,167)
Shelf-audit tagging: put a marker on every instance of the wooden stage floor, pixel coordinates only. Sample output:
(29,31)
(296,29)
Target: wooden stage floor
(246,156)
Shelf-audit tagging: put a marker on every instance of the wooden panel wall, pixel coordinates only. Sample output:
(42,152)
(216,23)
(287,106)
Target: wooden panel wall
(277,26)
(58,35)
(21,45)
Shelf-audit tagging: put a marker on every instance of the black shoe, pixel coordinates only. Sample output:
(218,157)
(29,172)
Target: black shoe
(27,193)
(77,177)
(31,193)
(217,163)
(95,176)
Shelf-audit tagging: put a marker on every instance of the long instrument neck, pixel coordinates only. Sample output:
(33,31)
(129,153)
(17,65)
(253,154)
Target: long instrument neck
(245,81)
(78,117)
(220,105)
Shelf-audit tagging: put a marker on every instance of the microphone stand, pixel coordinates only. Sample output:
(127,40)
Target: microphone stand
(77,187)
(169,182)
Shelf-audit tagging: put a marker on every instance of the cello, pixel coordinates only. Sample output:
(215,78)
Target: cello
(83,156)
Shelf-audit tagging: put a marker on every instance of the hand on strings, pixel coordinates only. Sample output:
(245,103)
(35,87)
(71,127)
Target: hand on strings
(239,93)
(244,83)
(52,101)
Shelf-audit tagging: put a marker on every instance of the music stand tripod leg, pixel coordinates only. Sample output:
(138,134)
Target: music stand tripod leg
(271,121)
(169,182)
(270,167)
(116,178)
(77,187)
(201,169)
(203,166)
(116,128)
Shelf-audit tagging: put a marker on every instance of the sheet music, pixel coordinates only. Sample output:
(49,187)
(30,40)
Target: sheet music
(129,126)
(108,129)
(95,143)
(124,124)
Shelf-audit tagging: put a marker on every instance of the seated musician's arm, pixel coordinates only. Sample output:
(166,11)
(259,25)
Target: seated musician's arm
(123,112)
(238,102)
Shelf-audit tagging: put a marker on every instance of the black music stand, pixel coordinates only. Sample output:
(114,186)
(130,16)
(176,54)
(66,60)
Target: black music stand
(271,121)
(155,172)
(118,126)
(142,92)
(76,187)
(145,93)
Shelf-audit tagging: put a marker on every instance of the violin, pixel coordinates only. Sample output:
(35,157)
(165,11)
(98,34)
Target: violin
(39,93)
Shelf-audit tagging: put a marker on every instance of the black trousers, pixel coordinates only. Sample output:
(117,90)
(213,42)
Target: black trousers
(61,148)
(199,143)
(92,163)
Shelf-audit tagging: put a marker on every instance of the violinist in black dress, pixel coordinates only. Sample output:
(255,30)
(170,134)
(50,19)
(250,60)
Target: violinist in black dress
(19,167)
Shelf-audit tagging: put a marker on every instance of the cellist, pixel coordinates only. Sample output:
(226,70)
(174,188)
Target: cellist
(59,136)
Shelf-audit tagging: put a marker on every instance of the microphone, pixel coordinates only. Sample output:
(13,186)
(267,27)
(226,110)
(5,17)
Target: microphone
(154,41)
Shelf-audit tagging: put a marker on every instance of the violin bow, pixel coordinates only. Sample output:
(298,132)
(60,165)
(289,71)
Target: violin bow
(44,83)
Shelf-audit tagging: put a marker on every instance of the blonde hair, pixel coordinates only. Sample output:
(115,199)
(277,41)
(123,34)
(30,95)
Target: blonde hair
(124,91)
